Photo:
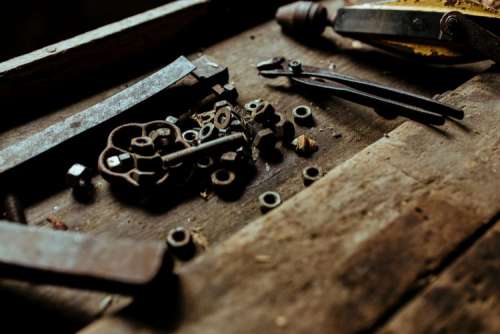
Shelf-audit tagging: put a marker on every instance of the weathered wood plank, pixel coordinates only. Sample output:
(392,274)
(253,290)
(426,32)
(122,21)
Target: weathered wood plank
(44,70)
(338,256)
(464,299)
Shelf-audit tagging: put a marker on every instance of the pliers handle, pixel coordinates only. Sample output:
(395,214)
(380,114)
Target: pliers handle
(360,91)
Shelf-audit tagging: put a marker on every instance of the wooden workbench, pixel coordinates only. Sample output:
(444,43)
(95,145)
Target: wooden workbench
(399,236)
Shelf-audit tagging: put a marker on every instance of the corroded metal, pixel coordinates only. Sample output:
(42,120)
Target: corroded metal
(75,260)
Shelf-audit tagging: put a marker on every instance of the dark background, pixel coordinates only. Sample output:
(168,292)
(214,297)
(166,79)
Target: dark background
(27,25)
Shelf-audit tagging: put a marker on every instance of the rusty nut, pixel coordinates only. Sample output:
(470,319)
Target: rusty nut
(269,200)
(180,243)
(284,129)
(303,115)
(205,164)
(311,174)
(265,140)
(223,182)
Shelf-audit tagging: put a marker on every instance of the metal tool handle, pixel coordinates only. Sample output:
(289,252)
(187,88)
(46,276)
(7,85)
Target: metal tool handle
(374,101)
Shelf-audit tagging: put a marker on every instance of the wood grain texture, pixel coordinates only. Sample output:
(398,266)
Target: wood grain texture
(339,256)
(464,299)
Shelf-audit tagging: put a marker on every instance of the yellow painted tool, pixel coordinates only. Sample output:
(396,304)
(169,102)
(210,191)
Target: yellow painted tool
(449,31)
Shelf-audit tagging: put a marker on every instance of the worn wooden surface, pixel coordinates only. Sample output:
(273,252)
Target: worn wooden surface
(301,266)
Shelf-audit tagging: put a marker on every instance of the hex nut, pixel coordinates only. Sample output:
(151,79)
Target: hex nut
(142,145)
(284,129)
(191,137)
(180,243)
(265,140)
(230,159)
(311,174)
(78,175)
(253,105)
(263,113)
(303,115)
(236,126)
(223,182)
(208,132)
(269,200)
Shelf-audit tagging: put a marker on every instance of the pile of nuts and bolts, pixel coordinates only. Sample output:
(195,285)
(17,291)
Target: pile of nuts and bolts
(210,148)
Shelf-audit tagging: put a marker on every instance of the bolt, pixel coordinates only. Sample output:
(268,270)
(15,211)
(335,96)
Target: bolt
(216,146)
(180,243)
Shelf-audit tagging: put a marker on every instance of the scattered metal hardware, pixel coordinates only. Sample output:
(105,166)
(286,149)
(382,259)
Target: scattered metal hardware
(428,31)
(224,182)
(180,243)
(303,115)
(191,137)
(146,264)
(311,174)
(269,200)
(305,145)
(79,178)
(265,140)
(374,95)
(14,210)
(64,138)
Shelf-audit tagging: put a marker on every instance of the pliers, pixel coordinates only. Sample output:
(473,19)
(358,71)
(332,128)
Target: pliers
(363,92)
